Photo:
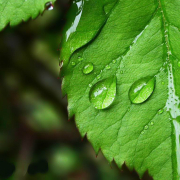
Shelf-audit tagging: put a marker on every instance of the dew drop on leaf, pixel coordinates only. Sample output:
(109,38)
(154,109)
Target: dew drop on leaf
(146,127)
(103,93)
(162,83)
(142,89)
(160,111)
(49,6)
(152,123)
(121,72)
(108,67)
(73,63)
(98,76)
(88,68)
(80,58)
(90,85)
(114,61)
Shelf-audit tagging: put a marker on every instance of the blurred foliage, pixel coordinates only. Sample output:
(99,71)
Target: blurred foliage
(33,117)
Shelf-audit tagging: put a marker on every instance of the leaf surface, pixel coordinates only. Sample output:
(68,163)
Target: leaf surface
(16,11)
(134,40)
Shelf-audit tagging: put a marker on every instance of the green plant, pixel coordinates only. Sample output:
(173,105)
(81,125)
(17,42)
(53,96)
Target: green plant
(120,68)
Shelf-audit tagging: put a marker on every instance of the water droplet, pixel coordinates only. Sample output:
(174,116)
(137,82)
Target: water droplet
(152,123)
(73,63)
(146,127)
(108,67)
(114,61)
(103,93)
(88,68)
(142,132)
(80,58)
(160,111)
(98,76)
(49,6)
(162,83)
(142,89)
(179,63)
(121,72)
(90,85)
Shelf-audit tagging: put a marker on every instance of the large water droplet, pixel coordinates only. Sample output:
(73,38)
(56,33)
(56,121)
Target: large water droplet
(49,6)
(88,68)
(103,93)
(142,89)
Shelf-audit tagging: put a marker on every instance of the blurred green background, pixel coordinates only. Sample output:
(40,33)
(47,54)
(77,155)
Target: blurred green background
(37,141)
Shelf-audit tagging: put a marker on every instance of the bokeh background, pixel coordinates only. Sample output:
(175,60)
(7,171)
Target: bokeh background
(37,140)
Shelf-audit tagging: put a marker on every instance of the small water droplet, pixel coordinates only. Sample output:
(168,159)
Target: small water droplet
(146,127)
(178,63)
(152,123)
(49,6)
(160,111)
(121,72)
(73,63)
(90,85)
(80,58)
(142,132)
(114,61)
(108,67)
(142,89)
(162,83)
(98,76)
(103,93)
(88,68)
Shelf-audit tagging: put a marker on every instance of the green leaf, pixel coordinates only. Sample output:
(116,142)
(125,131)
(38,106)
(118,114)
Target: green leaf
(134,40)
(16,11)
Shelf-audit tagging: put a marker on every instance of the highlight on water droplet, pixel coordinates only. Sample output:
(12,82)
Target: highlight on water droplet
(49,6)
(73,63)
(103,93)
(160,111)
(142,89)
(108,67)
(88,68)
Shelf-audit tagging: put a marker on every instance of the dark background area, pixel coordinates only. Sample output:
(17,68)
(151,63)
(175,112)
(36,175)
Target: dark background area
(37,141)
